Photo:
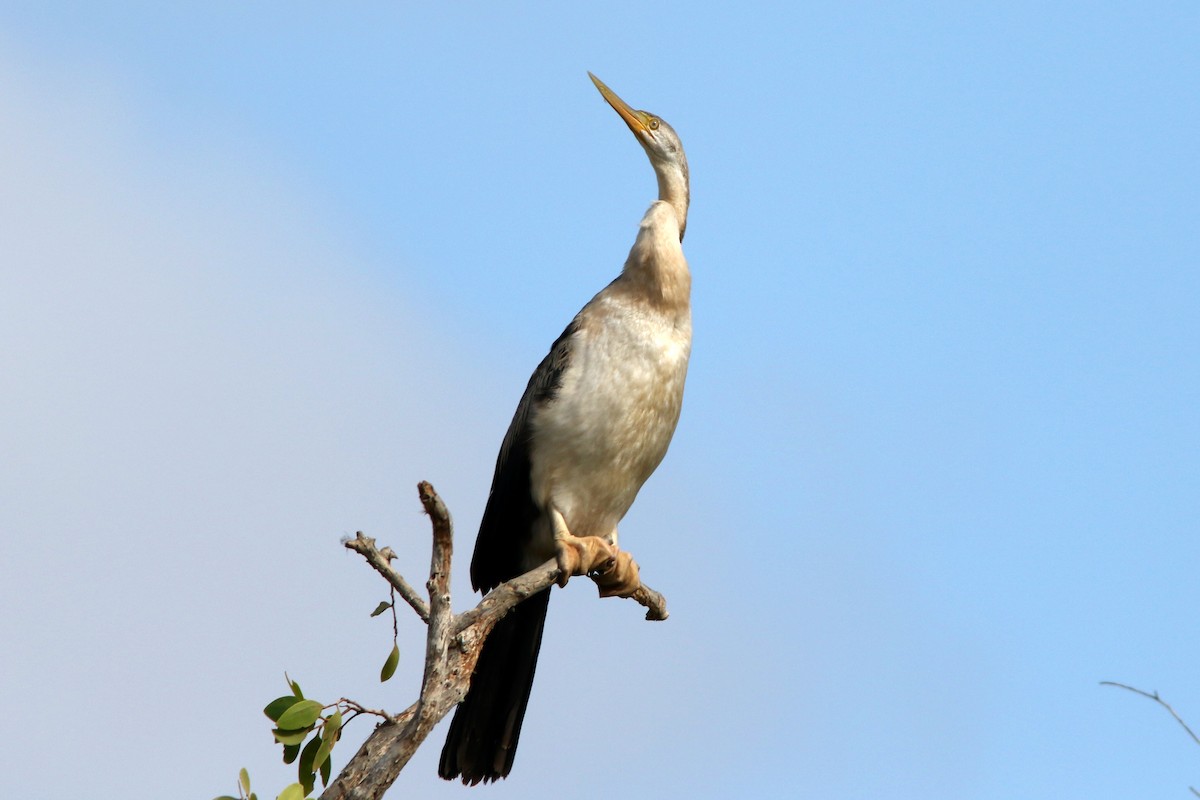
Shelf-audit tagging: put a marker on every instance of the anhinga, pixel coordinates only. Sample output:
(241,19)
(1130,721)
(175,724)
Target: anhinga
(594,422)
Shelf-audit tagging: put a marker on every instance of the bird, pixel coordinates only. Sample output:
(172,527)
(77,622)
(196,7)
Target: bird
(594,422)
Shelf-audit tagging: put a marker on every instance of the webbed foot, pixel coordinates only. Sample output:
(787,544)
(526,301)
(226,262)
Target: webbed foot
(622,579)
(582,555)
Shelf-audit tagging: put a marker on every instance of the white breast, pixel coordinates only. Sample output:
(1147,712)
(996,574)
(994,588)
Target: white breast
(609,426)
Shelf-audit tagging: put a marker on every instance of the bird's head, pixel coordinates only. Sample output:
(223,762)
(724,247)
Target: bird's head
(658,138)
(661,144)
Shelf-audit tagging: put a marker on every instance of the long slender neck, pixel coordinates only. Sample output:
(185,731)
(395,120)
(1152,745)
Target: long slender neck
(673,189)
(656,271)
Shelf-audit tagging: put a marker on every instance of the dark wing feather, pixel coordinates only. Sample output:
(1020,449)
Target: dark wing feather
(482,741)
(510,515)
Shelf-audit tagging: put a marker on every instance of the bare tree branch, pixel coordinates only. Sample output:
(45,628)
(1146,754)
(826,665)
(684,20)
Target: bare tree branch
(1154,696)
(381,561)
(452,648)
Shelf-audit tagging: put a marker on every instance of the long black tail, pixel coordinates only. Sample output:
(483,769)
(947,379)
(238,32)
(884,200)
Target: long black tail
(482,742)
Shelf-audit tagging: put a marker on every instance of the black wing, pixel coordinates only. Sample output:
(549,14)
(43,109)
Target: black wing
(510,515)
(482,740)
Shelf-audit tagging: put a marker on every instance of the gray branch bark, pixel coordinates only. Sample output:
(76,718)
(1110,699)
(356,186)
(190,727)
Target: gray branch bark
(452,648)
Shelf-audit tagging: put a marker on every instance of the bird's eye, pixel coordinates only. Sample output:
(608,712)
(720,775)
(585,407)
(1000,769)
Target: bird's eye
(653,123)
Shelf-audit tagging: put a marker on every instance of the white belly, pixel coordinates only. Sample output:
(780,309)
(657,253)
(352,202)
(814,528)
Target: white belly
(611,422)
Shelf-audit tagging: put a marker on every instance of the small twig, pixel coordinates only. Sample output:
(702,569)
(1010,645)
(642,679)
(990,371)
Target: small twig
(380,560)
(1154,696)
(395,617)
(359,708)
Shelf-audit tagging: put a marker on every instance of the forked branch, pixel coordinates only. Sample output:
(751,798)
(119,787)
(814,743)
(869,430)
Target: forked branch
(452,646)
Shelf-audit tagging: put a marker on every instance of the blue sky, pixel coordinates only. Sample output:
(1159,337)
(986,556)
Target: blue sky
(265,268)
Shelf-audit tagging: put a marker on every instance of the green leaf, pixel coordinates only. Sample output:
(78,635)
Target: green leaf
(290,751)
(293,792)
(301,715)
(225,797)
(253,796)
(295,686)
(333,724)
(326,768)
(329,737)
(244,781)
(322,756)
(306,770)
(389,666)
(286,738)
(274,709)
(382,607)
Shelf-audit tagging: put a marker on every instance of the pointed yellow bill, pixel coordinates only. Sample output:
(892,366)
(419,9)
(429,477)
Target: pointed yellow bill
(638,121)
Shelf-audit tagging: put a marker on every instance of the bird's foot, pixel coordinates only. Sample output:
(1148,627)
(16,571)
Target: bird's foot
(582,555)
(622,579)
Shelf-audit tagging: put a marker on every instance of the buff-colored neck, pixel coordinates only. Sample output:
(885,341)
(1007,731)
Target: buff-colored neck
(673,189)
